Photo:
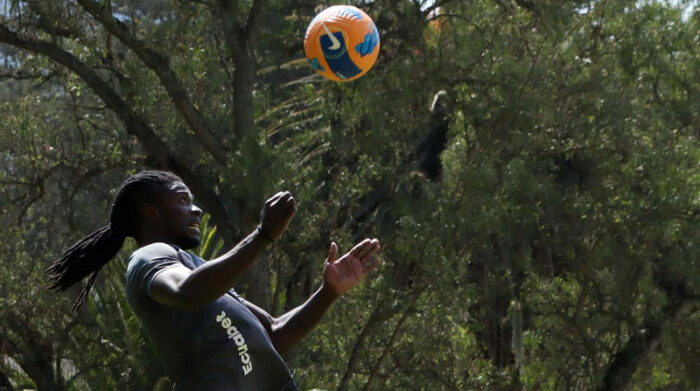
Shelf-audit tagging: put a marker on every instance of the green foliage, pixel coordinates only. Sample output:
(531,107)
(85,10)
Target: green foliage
(560,234)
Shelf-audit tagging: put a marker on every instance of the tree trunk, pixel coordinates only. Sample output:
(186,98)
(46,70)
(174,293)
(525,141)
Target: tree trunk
(35,354)
(643,342)
(638,347)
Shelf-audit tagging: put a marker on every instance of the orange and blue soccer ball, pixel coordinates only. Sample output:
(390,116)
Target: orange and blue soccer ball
(341,43)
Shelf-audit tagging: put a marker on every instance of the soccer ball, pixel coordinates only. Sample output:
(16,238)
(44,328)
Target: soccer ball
(341,43)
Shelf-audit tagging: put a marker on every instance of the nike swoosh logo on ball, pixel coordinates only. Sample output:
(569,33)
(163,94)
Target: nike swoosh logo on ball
(335,42)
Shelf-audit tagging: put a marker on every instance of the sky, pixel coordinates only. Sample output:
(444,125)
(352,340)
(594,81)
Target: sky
(427,4)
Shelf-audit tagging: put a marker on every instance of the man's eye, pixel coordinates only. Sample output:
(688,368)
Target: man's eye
(184,200)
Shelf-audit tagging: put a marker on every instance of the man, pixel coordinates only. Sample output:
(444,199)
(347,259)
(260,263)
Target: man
(207,336)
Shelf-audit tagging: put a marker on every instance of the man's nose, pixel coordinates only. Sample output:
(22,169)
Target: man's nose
(197,210)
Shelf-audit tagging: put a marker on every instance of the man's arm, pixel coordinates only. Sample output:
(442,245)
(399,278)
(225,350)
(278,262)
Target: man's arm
(338,277)
(191,289)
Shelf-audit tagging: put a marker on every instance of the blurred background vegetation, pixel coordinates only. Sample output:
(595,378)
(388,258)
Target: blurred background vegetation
(531,167)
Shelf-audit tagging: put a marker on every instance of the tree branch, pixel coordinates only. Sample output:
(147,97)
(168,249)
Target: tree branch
(253,17)
(389,345)
(233,32)
(359,341)
(239,41)
(159,64)
(625,362)
(21,76)
(231,10)
(44,22)
(156,150)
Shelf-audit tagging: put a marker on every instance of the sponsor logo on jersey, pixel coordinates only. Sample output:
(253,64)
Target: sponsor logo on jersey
(238,339)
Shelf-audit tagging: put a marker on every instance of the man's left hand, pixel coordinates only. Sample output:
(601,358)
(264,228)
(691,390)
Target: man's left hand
(340,275)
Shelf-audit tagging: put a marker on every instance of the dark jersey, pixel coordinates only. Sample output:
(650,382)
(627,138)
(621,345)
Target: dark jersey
(221,346)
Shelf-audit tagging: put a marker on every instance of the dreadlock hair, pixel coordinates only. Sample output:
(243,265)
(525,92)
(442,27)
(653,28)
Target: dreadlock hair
(90,254)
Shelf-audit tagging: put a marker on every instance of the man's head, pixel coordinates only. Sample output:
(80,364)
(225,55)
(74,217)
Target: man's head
(156,206)
(149,206)
(171,217)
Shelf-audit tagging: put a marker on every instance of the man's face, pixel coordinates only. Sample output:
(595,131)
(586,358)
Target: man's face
(180,216)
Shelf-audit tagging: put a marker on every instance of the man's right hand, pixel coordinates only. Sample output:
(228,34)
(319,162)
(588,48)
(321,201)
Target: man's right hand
(276,214)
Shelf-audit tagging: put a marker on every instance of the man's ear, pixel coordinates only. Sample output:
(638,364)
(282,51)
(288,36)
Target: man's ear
(149,213)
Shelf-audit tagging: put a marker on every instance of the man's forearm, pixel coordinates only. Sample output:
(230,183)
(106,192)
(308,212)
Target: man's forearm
(290,328)
(214,278)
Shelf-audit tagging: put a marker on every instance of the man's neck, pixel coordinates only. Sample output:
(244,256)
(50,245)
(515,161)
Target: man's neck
(150,236)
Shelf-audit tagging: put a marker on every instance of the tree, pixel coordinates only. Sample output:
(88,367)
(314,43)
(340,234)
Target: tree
(554,248)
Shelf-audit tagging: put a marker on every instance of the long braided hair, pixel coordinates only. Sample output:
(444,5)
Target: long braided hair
(90,254)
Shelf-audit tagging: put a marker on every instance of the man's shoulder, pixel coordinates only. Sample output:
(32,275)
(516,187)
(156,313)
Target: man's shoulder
(154,251)
(148,261)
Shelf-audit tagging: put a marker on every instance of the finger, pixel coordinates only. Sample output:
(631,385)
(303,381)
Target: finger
(278,195)
(274,198)
(332,253)
(292,203)
(369,247)
(374,249)
(283,198)
(359,248)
